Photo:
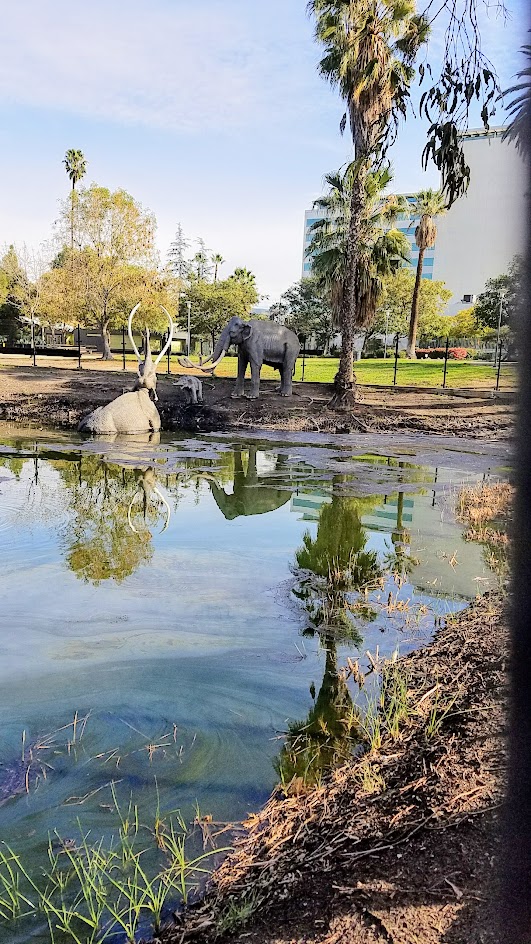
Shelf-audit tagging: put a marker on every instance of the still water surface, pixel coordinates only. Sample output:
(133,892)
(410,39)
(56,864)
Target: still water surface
(175,600)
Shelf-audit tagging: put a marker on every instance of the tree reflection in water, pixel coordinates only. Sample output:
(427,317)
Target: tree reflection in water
(108,536)
(329,567)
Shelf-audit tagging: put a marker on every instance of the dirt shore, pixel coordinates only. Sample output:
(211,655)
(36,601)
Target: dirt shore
(60,397)
(411,862)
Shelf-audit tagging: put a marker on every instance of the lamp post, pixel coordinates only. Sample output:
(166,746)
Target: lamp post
(189,306)
(33,340)
(503,293)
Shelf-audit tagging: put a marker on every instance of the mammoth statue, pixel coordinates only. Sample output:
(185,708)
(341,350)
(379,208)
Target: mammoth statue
(147,368)
(132,412)
(252,494)
(258,342)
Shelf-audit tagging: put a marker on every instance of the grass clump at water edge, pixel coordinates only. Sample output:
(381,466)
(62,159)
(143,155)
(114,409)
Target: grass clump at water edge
(96,891)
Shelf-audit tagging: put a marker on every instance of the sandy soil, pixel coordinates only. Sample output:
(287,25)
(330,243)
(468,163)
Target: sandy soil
(60,397)
(413,864)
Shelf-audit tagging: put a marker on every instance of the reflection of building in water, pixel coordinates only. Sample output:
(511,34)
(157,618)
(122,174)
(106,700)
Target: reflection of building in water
(419,526)
(309,504)
(384,517)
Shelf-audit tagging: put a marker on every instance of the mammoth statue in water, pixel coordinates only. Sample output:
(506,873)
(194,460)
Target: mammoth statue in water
(258,342)
(133,412)
(147,491)
(252,493)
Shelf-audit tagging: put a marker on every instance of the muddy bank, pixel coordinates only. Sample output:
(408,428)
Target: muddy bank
(400,846)
(60,398)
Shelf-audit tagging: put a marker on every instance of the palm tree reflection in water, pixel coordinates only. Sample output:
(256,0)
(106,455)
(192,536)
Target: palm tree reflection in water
(329,567)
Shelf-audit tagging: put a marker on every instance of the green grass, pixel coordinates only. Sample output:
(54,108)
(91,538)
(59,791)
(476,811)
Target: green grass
(379,371)
(424,373)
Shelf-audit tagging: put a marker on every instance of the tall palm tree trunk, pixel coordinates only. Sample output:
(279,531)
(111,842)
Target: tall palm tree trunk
(345,380)
(413,322)
(72,216)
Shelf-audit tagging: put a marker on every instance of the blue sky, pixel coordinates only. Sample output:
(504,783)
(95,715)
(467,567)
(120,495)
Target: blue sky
(210,112)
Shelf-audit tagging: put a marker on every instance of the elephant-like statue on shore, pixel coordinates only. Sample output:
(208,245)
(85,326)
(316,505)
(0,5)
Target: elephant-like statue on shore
(258,342)
(133,412)
(252,494)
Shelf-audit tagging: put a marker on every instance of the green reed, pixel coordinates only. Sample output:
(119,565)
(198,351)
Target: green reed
(92,891)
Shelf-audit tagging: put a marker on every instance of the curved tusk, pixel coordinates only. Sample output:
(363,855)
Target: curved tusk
(186,362)
(168,508)
(170,337)
(130,523)
(129,323)
(214,364)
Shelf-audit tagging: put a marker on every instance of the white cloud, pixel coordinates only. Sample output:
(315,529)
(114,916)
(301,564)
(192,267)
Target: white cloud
(185,67)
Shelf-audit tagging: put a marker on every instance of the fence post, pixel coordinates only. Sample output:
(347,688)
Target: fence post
(446,361)
(396,359)
(123,347)
(79,347)
(303,355)
(499,366)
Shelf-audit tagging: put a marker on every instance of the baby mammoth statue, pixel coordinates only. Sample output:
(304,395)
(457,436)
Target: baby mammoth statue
(133,412)
(192,387)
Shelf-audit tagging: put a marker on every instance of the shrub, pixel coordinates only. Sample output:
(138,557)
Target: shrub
(438,353)
(458,353)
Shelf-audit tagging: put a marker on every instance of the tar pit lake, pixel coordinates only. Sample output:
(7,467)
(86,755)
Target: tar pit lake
(177,616)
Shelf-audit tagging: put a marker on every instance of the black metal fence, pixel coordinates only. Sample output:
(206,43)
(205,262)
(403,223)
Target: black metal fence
(76,351)
(447,356)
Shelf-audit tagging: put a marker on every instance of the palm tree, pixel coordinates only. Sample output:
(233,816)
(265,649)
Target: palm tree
(369,49)
(218,260)
(519,108)
(428,204)
(381,249)
(201,259)
(245,276)
(76,168)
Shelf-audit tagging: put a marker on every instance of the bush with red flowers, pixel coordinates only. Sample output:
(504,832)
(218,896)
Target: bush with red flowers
(437,353)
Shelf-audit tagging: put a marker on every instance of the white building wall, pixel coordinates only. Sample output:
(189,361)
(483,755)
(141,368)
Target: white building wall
(485,229)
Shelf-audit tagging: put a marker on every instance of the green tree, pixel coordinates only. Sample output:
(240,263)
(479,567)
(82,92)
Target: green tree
(304,309)
(381,250)
(10,274)
(214,303)
(115,261)
(22,275)
(464,325)
(395,305)
(505,292)
(178,262)
(369,50)
(245,277)
(429,204)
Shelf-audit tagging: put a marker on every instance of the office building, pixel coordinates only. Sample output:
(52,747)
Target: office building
(481,233)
